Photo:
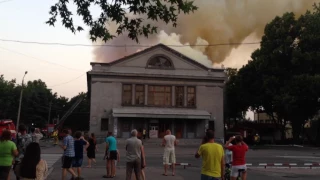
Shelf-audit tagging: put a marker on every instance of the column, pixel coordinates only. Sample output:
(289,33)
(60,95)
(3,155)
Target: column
(145,95)
(115,127)
(184,129)
(133,94)
(173,96)
(185,96)
(132,127)
(173,127)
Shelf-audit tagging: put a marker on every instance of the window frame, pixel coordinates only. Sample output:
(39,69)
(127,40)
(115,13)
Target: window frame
(195,97)
(176,94)
(164,94)
(160,56)
(135,94)
(122,95)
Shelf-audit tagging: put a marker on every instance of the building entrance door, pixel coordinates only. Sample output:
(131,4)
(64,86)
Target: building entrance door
(153,131)
(163,126)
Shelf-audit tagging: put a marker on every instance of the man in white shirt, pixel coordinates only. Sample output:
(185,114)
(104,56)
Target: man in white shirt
(169,142)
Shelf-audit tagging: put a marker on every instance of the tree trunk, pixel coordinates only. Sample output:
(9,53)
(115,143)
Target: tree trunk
(296,130)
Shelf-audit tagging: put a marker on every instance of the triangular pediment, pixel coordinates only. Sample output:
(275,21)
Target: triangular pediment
(159,57)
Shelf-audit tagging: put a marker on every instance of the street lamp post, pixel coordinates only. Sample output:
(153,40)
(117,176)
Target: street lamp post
(18,119)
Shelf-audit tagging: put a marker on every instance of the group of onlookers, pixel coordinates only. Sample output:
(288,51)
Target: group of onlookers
(213,157)
(73,147)
(23,155)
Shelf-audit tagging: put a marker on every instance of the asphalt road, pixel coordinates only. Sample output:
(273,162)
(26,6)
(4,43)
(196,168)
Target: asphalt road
(185,154)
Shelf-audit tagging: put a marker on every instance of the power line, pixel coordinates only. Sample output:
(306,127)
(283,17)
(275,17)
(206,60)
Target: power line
(5,1)
(123,45)
(49,62)
(67,81)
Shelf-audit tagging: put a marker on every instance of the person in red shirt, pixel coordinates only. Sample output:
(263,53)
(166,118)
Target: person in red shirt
(239,151)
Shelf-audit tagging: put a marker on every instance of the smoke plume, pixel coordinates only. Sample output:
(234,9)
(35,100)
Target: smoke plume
(215,22)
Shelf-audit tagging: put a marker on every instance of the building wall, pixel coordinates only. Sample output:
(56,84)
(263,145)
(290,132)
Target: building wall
(106,87)
(107,94)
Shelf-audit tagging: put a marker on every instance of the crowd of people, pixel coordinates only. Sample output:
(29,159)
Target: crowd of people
(24,155)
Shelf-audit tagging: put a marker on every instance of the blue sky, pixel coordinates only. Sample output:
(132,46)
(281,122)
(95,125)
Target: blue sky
(25,20)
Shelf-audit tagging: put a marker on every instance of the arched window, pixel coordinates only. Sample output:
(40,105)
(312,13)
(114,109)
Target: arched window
(160,62)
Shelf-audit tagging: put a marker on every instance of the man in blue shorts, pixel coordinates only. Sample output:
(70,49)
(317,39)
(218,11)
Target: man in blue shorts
(111,154)
(79,143)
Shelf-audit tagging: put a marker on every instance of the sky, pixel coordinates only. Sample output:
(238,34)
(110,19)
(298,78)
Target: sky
(62,68)
(58,66)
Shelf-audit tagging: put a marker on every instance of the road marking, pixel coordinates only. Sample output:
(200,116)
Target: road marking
(302,157)
(51,158)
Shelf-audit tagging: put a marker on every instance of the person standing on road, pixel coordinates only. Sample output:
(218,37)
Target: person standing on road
(32,167)
(91,150)
(135,152)
(111,154)
(213,163)
(238,156)
(79,144)
(169,157)
(55,135)
(68,155)
(144,133)
(36,135)
(23,140)
(8,150)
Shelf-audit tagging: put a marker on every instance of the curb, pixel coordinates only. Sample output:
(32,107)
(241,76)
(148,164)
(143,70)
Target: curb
(288,165)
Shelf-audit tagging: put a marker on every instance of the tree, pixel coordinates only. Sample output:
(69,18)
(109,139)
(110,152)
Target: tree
(119,11)
(283,76)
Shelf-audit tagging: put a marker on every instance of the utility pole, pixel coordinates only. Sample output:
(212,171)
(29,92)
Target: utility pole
(50,104)
(21,93)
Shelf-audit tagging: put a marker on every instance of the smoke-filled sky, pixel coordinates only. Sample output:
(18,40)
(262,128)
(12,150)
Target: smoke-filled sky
(215,22)
(63,67)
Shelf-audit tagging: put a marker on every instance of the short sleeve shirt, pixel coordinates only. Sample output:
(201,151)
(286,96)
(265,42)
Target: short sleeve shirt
(133,147)
(212,154)
(112,143)
(6,148)
(78,148)
(69,143)
(238,154)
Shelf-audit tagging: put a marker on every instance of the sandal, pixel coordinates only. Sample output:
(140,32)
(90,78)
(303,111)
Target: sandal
(164,174)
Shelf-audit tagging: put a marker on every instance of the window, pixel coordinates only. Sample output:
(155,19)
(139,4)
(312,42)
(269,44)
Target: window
(179,96)
(126,94)
(159,95)
(191,96)
(139,95)
(160,62)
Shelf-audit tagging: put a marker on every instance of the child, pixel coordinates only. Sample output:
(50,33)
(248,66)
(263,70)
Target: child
(79,143)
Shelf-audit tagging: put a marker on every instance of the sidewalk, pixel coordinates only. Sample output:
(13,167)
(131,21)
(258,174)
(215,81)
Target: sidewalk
(97,173)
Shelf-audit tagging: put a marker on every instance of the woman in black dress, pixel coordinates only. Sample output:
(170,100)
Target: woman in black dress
(91,150)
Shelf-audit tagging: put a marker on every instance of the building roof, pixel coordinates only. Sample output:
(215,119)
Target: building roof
(192,61)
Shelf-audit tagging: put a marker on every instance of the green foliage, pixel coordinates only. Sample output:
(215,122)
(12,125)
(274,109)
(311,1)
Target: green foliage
(284,73)
(36,104)
(118,11)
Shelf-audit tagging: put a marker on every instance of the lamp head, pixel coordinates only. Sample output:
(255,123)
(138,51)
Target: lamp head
(26,72)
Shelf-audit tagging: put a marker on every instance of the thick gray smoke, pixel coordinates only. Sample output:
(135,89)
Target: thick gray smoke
(215,22)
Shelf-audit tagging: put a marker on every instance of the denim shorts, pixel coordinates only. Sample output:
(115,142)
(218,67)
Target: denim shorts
(77,162)
(205,177)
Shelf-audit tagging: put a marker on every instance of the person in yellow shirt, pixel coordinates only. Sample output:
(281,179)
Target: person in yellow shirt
(212,154)
(55,137)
